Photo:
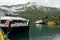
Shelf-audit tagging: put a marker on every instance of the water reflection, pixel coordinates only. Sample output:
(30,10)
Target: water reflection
(46,33)
(56,37)
(39,26)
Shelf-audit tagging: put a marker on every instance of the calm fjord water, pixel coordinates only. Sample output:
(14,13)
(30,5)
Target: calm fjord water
(38,32)
(44,32)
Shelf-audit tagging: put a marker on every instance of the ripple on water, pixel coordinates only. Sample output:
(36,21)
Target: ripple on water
(57,37)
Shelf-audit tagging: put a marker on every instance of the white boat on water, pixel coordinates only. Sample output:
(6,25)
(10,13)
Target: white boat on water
(39,21)
(15,21)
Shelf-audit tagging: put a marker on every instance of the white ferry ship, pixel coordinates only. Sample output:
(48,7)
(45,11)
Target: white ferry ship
(15,21)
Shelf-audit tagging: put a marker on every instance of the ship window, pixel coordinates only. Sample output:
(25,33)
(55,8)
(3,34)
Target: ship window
(3,21)
(18,21)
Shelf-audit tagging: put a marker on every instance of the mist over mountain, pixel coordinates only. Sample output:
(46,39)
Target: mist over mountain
(23,7)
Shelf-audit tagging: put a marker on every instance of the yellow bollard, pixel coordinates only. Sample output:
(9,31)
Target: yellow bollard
(1,36)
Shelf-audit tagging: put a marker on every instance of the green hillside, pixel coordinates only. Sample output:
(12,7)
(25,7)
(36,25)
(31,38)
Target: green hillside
(33,13)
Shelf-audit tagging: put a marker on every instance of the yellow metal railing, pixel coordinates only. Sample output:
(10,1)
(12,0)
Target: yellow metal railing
(1,36)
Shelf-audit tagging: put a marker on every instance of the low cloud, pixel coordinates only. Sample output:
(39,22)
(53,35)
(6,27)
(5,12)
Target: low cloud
(50,3)
(12,2)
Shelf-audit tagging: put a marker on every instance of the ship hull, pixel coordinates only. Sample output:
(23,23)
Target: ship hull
(13,30)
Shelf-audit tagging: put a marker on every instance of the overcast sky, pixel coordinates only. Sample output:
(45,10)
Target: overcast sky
(51,3)
(12,2)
